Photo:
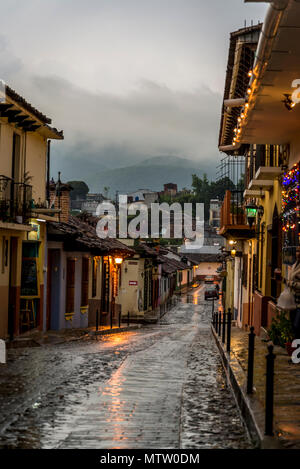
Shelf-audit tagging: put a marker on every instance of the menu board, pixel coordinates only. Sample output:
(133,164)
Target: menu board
(29,280)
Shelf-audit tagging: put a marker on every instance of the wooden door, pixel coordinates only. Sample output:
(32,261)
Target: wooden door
(49,288)
(70,293)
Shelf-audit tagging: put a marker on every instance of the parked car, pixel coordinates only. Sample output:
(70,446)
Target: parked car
(209,280)
(211,293)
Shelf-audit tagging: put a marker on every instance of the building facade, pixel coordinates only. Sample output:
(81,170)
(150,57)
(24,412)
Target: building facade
(260,122)
(25,134)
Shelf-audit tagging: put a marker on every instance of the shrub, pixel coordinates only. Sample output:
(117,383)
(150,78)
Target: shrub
(281,331)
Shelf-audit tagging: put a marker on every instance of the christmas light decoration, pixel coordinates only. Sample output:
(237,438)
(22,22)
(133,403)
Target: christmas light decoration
(291,199)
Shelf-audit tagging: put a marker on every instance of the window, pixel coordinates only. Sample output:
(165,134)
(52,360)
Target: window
(94,278)
(245,270)
(85,282)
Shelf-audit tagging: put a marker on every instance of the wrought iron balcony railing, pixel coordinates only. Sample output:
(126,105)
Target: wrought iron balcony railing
(15,201)
(233,211)
(265,156)
(234,222)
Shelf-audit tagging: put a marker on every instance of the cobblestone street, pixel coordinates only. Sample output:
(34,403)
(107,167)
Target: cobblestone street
(159,387)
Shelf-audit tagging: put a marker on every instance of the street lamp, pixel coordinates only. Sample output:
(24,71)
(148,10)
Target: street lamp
(118,260)
(251,210)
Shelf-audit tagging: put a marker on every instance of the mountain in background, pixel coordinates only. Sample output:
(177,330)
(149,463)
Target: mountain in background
(151,173)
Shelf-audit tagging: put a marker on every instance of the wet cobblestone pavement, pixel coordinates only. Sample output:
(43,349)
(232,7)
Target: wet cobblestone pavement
(158,387)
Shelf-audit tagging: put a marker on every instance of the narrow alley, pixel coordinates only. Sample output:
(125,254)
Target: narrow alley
(158,387)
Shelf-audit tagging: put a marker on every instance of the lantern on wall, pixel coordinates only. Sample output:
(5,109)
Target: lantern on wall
(251,211)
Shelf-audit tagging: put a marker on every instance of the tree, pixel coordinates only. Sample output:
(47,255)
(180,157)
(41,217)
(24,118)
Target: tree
(80,190)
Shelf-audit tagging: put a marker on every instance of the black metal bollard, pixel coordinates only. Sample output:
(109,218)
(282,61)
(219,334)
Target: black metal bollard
(97,320)
(220,324)
(270,392)
(128,319)
(214,321)
(250,361)
(120,314)
(111,319)
(229,330)
(224,327)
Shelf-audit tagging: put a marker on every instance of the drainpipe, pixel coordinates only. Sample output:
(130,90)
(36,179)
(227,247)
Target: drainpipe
(268,34)
(263,52)
(264,48)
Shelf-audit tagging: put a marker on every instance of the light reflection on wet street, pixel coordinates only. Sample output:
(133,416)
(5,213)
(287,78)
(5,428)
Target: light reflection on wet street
(158,387)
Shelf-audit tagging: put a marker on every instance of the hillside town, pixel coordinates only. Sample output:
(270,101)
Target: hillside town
(165,339)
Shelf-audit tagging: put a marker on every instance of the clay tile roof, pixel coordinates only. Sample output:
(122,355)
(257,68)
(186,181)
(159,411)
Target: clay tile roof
(20,100)
(171,265)
(83,234)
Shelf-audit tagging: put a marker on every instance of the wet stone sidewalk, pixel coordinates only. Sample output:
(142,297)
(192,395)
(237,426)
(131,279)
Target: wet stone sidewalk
(159,387)
(286,385)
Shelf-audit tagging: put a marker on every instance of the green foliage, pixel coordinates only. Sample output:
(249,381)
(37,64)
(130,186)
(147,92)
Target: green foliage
(80,190)
(202,192)
(281,331)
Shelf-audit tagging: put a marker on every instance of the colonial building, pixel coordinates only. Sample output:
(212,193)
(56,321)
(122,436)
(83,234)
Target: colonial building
(25,135)
(261,122)
(83,275)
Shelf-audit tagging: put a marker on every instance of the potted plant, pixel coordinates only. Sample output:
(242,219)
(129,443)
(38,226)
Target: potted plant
(288,337)
(281,332)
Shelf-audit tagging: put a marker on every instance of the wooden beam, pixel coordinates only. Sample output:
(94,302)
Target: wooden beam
(4,107)
(26,124)
(33,128)
(19,119)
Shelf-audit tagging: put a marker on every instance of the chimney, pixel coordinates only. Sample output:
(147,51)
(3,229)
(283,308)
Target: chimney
(60,199)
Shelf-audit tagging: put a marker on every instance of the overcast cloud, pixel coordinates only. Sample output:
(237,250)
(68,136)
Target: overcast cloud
(124,79)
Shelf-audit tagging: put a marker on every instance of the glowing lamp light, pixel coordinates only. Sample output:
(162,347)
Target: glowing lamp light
(249,90)
(118,260)
(233,252)
(250,73)
(251,210)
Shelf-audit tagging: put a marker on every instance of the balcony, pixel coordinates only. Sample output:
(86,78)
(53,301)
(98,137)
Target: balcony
(15,201)
(233,217)
(264,168)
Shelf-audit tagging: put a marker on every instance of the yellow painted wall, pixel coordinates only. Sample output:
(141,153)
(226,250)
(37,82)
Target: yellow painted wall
(36,157)
(33,157)
(229,297)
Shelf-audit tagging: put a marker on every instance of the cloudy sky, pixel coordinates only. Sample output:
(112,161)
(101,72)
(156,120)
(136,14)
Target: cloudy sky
(125,79)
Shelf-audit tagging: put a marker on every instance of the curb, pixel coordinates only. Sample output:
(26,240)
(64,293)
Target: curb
(115,331)
(251,409)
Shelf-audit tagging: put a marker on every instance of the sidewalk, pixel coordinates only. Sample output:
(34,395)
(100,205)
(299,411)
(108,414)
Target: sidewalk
(37,338)
(286,389)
